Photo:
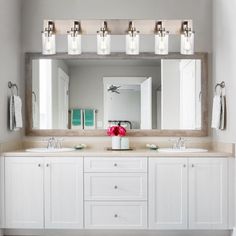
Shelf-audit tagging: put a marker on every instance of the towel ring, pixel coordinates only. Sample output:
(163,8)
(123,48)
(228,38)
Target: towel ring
(221,85)
(12,86)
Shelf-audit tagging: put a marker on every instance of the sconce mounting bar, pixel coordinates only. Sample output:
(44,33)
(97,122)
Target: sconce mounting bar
(119,27)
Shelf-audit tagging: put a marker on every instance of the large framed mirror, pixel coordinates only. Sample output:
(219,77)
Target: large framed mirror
(150,95)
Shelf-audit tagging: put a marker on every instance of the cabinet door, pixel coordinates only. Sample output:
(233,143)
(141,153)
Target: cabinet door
(208,193)
(24,192)
(64,193)
(168,193)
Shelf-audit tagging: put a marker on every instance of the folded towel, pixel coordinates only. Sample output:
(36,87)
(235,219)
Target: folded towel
(223,113)
(15,109)
(77,119)
(89,118)
(219,112)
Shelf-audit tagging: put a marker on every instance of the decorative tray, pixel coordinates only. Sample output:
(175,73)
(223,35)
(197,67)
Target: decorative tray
(129,149)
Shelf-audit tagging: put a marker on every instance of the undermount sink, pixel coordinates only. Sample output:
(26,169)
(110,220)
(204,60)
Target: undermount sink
(49,150)
(169,150)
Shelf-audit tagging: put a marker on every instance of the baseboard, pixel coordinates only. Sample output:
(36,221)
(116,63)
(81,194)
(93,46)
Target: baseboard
(120,232)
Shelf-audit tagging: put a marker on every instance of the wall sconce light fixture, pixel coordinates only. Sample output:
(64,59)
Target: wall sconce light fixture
(187,39)
(132,40)
(161,39)
(49,39)
(104,40)
(74,39)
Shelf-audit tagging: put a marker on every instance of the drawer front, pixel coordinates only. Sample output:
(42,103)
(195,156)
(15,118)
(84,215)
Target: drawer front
(115,186)
(116,215)
(132,164)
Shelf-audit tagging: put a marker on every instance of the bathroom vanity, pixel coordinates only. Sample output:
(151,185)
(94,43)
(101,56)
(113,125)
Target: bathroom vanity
(108,190)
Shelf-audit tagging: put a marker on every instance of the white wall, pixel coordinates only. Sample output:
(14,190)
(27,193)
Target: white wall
(10,60)
(224,61)
(34,12)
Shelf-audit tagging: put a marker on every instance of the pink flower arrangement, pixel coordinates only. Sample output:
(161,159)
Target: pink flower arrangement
(116,130)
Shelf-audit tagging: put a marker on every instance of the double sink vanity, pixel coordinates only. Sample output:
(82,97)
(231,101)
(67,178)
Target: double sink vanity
(151,96)
(100,189)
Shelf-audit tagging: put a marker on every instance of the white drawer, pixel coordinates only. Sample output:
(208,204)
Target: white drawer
(99,164)
(115,186)
(116,215)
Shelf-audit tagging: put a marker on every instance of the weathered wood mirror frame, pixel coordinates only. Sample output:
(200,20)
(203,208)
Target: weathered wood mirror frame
(151,133)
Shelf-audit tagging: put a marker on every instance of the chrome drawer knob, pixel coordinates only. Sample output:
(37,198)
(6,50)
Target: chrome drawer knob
(115,165)
(115,187)
(116,216)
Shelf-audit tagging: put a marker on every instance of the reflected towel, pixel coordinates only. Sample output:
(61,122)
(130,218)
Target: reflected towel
(77,119)
(89,118)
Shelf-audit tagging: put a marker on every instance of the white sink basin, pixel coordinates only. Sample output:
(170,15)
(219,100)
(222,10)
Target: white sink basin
(50,150)
(169,150)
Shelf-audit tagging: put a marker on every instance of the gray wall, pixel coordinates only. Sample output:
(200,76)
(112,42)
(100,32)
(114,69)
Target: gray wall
(10,60)
(86,84)
(224,47)
(34,12)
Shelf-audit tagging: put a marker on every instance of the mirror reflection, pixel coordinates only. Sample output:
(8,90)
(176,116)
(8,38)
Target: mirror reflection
(138,94)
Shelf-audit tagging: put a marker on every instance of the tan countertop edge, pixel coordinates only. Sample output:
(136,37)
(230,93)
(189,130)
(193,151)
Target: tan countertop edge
(105,153)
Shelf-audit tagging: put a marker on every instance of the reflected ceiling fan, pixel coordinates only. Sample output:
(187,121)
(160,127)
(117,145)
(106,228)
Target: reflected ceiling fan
(114,89)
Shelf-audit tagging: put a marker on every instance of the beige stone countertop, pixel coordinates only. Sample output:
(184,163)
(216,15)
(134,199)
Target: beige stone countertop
(106,153)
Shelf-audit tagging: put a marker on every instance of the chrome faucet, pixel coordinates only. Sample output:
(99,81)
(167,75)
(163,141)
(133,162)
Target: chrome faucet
(179,143)
(53,143)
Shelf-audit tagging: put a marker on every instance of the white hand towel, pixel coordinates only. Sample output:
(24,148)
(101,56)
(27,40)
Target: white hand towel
(15,116)
(216,112)
(223,113)
(11,113)
(18,112)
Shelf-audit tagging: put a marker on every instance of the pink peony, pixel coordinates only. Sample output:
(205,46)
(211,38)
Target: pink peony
(116,131)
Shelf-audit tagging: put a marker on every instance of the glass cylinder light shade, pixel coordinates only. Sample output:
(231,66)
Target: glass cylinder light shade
(187,43)
(162,44)
(103,44)
(48,43)
(132,44)
(74,44)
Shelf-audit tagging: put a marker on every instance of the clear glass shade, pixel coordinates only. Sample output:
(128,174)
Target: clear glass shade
(103,44)
(161,44)
(74,44)
(132,44)
(187,44)
(48,44)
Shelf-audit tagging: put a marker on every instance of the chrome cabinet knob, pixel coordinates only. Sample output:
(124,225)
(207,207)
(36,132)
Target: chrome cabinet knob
(39,165)
(115,215)
(115,165)
(47,165)
(115,187)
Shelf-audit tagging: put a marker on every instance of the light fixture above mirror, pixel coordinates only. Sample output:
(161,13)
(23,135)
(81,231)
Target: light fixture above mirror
(74,39)
(132,40)
(129,28)
(103,40)
(49,39)
(187,39)
(161,39)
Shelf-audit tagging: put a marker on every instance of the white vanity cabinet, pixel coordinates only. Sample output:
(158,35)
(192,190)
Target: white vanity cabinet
(115,193)
(43,192)
(24,192)
(208,193)
(64,193)
(168,181)
(188,193)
